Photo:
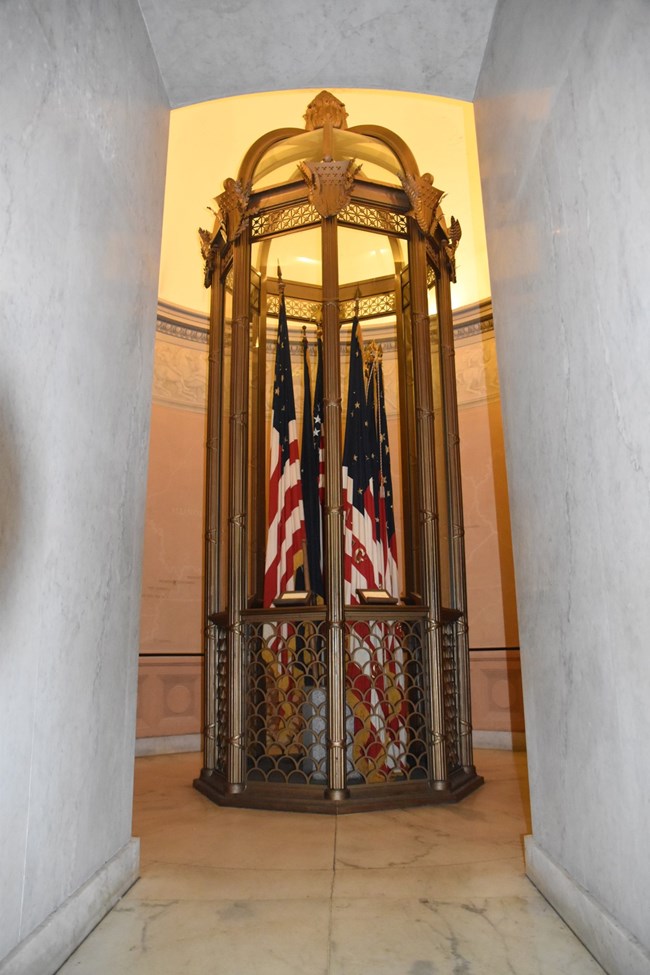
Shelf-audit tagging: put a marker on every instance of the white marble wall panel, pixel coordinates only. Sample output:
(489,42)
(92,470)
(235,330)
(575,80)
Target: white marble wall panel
(222,49)
(563,121)
(82,162)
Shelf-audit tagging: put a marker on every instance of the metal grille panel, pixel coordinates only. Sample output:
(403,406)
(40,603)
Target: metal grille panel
(450,688)
(297,308)
(386,739)
(286,704)
(370,306)
(221,692)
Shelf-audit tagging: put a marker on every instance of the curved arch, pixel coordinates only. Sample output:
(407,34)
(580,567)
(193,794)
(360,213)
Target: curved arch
(394,143)
(259,148)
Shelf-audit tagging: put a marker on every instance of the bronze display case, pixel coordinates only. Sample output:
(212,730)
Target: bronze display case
(331,706)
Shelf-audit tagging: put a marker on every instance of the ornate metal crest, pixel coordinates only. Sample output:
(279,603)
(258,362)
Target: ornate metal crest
(424,198)
(323,109)
(330,183)
(207,241)
(453,240)
(233,206)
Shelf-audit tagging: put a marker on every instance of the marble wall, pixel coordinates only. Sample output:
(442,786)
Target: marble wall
(563,121)
(417,45)
(82,164)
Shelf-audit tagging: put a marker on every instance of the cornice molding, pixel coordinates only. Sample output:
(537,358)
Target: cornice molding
(193,326)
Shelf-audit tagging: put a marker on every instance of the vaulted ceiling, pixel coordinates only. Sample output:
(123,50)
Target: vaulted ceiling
(214,48)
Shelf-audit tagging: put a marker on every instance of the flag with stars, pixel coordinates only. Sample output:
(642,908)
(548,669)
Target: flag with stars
(383,481)
(360,544)
(286,531)
(391,710)
(375,666)
(319,429)
(309,469)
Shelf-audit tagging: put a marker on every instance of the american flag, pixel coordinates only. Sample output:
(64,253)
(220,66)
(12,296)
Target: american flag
(360,544)
(319,429)
(376,677)
(310,452)
(286,532)
(383,481)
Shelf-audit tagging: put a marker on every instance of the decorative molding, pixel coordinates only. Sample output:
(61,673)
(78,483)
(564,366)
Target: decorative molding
(180,375)
(477,376)
(186,332)
(182,323)
(180,368)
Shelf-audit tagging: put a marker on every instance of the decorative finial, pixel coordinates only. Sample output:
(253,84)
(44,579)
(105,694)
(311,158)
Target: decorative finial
(325,108)
(357,299)
(280,281)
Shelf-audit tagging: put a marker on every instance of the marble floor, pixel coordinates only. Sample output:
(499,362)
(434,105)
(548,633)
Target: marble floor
(428,891)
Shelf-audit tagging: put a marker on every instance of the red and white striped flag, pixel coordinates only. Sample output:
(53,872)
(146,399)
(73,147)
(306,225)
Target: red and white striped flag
(286,532)
(383,481)
(361,554)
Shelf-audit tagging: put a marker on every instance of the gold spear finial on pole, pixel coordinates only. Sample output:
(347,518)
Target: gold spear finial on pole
(280,281)
(357,298)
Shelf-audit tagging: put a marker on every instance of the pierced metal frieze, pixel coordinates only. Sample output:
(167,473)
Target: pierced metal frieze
(325,109)
(374,218)
(329,183)
(372,306)
(297,308)
(268,222)
(425,199)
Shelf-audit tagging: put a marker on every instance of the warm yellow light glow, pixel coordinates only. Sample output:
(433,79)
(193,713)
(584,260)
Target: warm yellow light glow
(208,141)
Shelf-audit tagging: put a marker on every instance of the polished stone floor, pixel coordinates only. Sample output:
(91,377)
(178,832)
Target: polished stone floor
(428,891)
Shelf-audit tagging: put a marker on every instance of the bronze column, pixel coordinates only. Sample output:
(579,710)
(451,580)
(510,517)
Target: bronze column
(428,508)
(235,743)
(333,532)
(458,576)
(212,504)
